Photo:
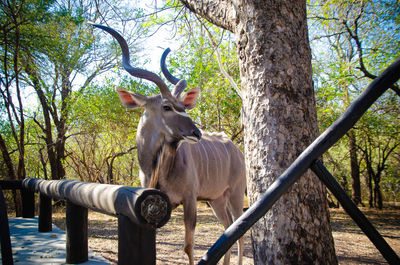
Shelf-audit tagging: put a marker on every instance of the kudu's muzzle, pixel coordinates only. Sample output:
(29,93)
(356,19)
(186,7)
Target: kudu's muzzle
(197,133)
(194,137)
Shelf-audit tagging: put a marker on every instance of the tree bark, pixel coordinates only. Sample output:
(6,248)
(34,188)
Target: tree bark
(279,117)
(11,175)
(355,170)
(7,159)
(378,192)
(370,190)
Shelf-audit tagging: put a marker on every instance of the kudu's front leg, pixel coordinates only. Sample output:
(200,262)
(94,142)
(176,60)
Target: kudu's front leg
(189,216)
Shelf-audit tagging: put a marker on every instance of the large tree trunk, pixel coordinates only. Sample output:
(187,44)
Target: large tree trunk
(279,116)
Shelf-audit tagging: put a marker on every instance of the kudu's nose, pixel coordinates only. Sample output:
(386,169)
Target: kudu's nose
(197,133)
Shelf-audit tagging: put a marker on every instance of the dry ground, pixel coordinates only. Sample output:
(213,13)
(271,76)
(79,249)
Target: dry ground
(352,246)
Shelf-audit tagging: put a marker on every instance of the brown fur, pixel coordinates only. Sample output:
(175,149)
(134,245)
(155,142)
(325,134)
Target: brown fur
(165,162)
(212,170)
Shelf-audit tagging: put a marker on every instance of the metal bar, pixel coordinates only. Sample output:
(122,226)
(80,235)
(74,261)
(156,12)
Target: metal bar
(302,163)
(6,250)
(326,177)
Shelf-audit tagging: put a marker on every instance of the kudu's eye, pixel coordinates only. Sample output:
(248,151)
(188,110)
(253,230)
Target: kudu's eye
(166,108)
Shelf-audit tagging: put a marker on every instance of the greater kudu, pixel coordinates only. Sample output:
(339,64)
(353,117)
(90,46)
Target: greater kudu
(178,159)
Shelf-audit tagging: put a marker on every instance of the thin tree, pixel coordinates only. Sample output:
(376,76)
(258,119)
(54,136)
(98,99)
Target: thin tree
(11,22)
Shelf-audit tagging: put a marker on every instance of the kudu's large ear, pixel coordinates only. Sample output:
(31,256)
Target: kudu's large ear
(131,100)
(189,98)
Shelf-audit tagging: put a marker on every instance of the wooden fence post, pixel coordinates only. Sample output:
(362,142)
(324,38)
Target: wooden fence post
(136,245)
(76,226)
(28,203)
(45,213)
(5,242)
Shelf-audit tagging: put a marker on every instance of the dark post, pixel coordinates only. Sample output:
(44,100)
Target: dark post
(6,251)
(136,245)
(45,213)
(28,203)
(76,224)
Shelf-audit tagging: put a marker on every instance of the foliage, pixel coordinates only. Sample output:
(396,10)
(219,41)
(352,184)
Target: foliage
(102,131)
(58,53)
(204,50)
(60,63)
(352,42)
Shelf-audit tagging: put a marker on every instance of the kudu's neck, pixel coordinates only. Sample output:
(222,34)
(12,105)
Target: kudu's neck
(154,150)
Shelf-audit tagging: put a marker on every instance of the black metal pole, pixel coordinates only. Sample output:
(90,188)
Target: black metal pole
(348,205)
(303,162)
(6,250)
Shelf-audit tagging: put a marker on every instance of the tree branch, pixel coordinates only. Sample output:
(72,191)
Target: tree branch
(219,60)
(220,13)
(355,37)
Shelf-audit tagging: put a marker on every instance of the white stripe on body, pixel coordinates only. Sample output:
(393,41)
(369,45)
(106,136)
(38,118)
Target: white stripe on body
(226,149)
(200,153)
(205,151)
(209,149)
(216,153)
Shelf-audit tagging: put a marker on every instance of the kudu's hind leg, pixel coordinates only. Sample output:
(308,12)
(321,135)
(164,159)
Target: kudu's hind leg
(236,207)
(221,211)
(189,217)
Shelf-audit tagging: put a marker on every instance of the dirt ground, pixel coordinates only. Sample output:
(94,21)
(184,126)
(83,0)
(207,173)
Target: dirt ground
(352,246)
